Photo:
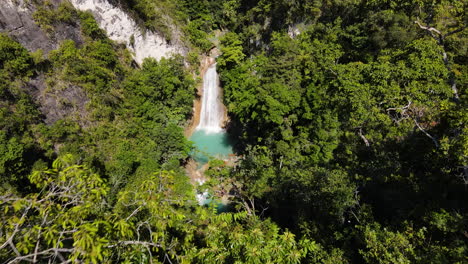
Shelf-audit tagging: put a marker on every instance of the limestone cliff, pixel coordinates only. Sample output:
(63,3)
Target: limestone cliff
(121,28)
(16,19)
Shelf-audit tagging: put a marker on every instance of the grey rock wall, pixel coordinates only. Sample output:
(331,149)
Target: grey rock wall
(16,20)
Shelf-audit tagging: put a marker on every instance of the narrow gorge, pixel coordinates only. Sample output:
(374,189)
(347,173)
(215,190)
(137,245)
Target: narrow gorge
(209,137)
(208,133)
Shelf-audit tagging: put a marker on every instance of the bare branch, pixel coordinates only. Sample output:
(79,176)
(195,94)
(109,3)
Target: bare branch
(250,211)
(430,29)
(403,111)
(36,249)
(135,212)
(404,108)
(167,257)
(363,138)
(440,40)
(45,252)
(464,175)
(14,248)
(427,134)
(264,209)
(355,216)
(134,242)
(10,239)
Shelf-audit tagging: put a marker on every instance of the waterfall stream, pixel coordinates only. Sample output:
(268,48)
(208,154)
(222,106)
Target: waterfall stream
(211,115)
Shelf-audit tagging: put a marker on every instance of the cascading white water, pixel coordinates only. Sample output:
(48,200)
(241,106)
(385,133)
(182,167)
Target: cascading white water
(211,115)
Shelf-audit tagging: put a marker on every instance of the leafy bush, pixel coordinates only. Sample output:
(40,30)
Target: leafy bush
(15,60)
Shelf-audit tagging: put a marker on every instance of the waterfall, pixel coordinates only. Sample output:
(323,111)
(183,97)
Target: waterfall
(211,115)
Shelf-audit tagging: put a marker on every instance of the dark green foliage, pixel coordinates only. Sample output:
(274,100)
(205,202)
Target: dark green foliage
(355,100)
(90,28)
(125,138)
(154,215)
(351,122)
(14,59)
(17,114)
(162,84)
(94,66)
(198,37)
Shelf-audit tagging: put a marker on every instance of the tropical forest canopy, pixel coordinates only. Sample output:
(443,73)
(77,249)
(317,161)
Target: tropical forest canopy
(350,117)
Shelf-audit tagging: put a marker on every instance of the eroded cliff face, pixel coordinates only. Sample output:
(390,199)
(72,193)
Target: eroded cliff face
(121,28)
(56,104)
(16,19)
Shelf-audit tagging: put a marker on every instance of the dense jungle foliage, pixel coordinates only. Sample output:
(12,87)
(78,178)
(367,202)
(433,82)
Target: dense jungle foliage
(351,118)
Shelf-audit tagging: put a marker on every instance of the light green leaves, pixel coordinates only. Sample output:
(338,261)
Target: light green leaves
(231,50)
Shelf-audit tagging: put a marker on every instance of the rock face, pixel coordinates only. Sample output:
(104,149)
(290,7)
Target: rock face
(121,28)
(17,21)
(58,104)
